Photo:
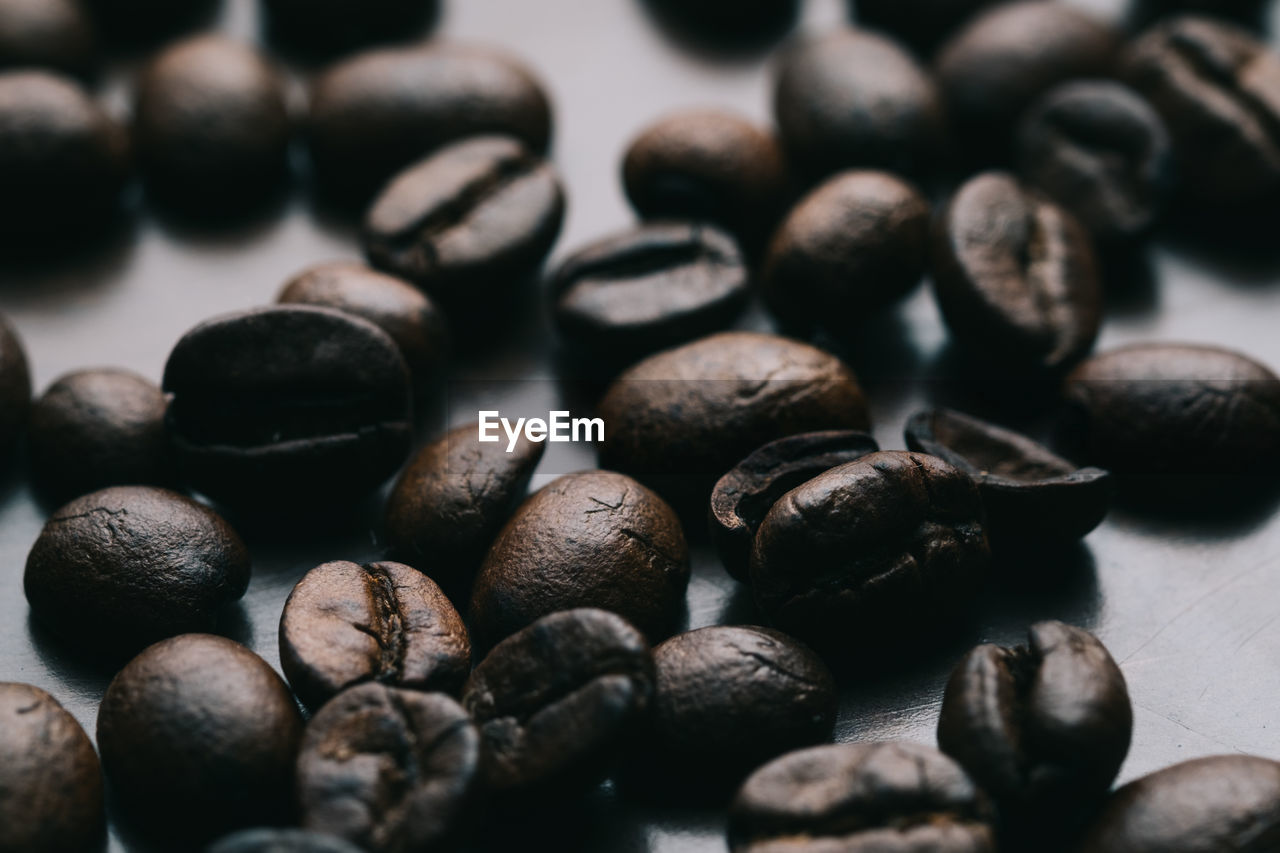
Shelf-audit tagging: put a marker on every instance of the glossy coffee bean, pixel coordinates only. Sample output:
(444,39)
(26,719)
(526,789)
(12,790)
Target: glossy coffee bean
(469,223)
(97,428)
(556,701)
(648,289)
(132,564)
(199,738)
(53,34)
(345,624)
(857,99)
(15,387)
(1218,88)
(742,497)
(1016,276)
(380,111)
(390,770)
(879,547)
(280,841)
(1220,804)
(282,407)
(590,539)
(923,24)
(452,499)
(330,25)
(1032,495)
(50,780)
(895,797)
(855,244)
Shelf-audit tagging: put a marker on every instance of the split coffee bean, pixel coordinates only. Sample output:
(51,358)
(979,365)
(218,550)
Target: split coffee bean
(129,565)
(199,737)
(345,624)
(281,841)
(330,25)
(558,700)
(15,387)
(590,539)
(50,780)
(53,34)
(923,24)
(861,796)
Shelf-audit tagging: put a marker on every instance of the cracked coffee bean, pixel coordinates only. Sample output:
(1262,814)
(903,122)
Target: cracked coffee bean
(53,34)
(390,770)
(558,700)
(345,624)
(281,841)
(199,738)
(15,387)
(923,24)
(130,565)
(1016,276)
(325,26)
(590,539)
(50,779)
(287,407)
(743,496)
(892,797)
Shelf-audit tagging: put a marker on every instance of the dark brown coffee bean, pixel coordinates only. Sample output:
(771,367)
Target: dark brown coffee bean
(323,26)
(891,797)
(590,539)
(199,737)
(15,386)
(132,564)
(136,23)
(54,34)
(1016,276)
(281,841)
(392,771)
(743,496)
(559,699)
(923,24)
(50,780)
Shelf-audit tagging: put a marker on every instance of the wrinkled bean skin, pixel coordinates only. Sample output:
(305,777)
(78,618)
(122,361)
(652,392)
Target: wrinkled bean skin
(280,841)
(15,387)
(53,34)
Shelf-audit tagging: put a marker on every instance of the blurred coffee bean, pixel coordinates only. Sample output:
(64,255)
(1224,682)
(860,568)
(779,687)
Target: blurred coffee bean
(54,34)
(280,841)
(325,26)
(15,387)
(727,26)
(923,24)
(141,23)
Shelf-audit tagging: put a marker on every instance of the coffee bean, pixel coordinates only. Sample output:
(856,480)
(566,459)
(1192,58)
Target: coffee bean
(1218,88)
(331,25)
(281,841)
(54,34)
(15,387)
(143,22)
(97,428)
(469,223)
(451,501)
(557,700)
(743,496)
(391,771)
(378,112)
(855,244)
(860,796)
(854,98)
(1102,152)
(878,547)
(407,315)
(923,24)
(727,27)
(345,623)
(1031,495)
(1016,276)
(198,738)
(289,406)
(50,780)
(590,539)
(1220,804)
(648,289)
(132,564)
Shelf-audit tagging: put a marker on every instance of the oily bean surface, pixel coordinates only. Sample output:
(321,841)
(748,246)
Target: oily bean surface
(15,386)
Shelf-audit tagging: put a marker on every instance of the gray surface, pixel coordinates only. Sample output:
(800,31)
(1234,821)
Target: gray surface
(1189,608)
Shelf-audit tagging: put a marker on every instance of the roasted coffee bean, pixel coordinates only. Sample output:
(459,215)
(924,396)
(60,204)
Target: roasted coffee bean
(199,737)
(281,841)
(648,289)
(860,796)
(743,496)
(453,498)
(288,404)
(132,564)
(15,387)
(855,244)
(728,25)
(331,25)
(590,539)
(469,223)
(1016,276)
(55,34)
(923,24)
(345,623)
(1218,88)
(1102,152)
(403,312)
(392,771)
(879,547)
(212,125)
(1031,495)
(378,112)
(854,98)
(144,22)
(559,699)
(97,428)
(1221,804)
(50,780)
